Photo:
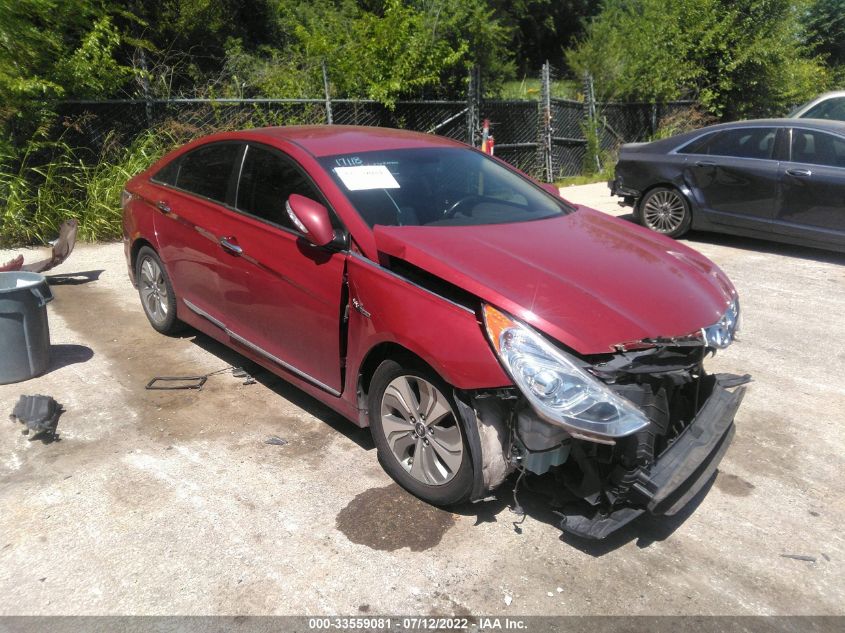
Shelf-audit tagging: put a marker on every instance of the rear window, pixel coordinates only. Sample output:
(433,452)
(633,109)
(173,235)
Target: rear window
(207,171)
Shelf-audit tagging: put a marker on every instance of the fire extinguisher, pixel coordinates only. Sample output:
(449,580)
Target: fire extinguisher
(487,140)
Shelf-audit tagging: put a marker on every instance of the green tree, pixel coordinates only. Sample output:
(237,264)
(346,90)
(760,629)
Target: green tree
(738,58)
(53,49)
(825,22)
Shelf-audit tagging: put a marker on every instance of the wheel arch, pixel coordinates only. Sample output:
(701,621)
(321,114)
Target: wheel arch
(136,247)
(386,350)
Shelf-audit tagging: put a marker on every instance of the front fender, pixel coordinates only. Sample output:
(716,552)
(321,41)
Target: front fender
(386,308)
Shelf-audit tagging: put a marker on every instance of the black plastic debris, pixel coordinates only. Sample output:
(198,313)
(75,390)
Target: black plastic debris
(39,414)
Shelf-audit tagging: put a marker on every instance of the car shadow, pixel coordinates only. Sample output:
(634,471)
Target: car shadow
(74,279)
(758,245)
(766,246)
(284,389)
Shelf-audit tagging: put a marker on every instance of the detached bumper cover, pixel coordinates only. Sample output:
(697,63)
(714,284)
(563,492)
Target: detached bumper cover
(681,471)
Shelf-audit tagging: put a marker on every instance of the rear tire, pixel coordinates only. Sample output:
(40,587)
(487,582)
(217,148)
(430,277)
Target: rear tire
(665,210)
(419,433)
(156,292)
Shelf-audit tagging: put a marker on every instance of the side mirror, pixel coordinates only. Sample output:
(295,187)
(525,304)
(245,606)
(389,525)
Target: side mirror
(551,188)
(310,217)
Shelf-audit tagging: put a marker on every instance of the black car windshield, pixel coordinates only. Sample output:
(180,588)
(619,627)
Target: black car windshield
(438,187)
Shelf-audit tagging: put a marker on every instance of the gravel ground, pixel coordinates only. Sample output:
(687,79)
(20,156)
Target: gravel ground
(173,503)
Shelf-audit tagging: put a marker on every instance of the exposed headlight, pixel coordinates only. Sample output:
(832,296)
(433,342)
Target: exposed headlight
(557,387)
(723,332)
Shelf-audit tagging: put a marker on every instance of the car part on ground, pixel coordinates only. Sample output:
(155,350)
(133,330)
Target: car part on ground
(177,383)
(62,248)
(39,414)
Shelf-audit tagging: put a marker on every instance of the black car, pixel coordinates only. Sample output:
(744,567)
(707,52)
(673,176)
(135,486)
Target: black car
(778,179)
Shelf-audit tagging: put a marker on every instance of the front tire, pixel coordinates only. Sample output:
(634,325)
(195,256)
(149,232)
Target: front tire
(665,210)
(419,434)
(156,292)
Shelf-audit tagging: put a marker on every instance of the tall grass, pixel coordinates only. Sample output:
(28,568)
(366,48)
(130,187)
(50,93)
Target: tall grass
(52,182)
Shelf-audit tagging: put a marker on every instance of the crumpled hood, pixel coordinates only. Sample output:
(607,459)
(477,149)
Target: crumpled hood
(588,280)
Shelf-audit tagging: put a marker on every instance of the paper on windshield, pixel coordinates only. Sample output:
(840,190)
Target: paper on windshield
(362,177)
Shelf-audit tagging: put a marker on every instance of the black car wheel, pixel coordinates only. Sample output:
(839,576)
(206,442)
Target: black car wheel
(665,210)
(418,433)
(156,292)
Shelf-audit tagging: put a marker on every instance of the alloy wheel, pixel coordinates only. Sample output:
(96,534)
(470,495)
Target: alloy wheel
(664,211)
(421,430)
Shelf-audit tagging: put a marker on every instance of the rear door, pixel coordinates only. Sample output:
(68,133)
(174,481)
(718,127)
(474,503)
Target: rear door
(191,195)
(734,176)
(813,188)
(284,295)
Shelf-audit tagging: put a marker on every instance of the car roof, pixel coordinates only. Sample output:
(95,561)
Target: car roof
(820,124)
(329,140)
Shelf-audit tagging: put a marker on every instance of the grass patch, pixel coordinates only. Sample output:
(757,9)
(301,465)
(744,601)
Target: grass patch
(52,182)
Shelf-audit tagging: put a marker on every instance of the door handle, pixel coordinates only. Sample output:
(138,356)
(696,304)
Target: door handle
(163,206)
(231,246)
(705,163)
(799,173)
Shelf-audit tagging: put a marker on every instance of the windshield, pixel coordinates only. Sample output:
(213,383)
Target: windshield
(437,187)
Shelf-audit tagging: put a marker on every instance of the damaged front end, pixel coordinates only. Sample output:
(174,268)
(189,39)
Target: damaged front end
(639,430)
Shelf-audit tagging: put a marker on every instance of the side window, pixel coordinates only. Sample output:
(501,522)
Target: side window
(828,109)
(207,171)
(817,148)
(168,174)
(755,142)
(699,145)
(267,181)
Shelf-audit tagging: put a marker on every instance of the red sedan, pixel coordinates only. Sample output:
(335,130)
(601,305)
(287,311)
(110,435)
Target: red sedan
(474,320)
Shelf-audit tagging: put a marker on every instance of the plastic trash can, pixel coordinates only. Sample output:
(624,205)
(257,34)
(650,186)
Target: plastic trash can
(24,331)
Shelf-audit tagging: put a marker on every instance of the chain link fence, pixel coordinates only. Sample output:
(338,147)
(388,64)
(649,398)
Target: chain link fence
(546,138)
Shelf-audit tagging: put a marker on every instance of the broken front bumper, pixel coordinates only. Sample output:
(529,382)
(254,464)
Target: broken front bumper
(680,472)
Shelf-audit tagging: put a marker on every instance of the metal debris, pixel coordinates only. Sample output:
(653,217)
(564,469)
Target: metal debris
(809,559)
(275,440)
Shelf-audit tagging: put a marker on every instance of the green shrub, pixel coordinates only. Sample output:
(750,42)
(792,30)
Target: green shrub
(38,194)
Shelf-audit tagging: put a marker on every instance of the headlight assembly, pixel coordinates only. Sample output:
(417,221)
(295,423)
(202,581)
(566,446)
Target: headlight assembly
(723,332)
(557,387)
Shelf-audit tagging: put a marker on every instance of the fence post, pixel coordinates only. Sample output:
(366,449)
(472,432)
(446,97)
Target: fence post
(592,118)
(328,96)
(546,121)
(473,106)
(145,86)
